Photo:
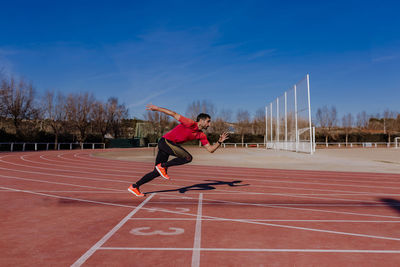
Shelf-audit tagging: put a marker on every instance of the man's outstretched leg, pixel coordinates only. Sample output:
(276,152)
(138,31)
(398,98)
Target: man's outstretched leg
(182,157)
(162,156)
(165,149)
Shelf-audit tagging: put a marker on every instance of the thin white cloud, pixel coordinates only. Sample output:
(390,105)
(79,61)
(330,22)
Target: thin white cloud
(262,53)
(385,58)
(9,51)
(6,65)
(148,98)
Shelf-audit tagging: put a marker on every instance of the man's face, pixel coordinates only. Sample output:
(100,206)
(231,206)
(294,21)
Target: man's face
(204,124)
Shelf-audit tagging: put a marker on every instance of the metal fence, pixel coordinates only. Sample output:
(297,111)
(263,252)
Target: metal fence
(227,145)
(356,145)
(48,146)
(288,120)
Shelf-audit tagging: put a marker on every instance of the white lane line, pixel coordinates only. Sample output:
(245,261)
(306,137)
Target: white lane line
(188,181)
(66,176)
(100,179)
(288,193)
(58,183)
(122,181)
(70,198)
(104,239)
(291,204)
(306,209)
(75,191)
(197,235)
(283,174)
(132,170)
(66,169)
(262,205)
(298,208)
(224,219)
(262,220)
(265,174)
(262,250)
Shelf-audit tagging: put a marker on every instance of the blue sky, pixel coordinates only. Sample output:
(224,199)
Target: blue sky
(235,54)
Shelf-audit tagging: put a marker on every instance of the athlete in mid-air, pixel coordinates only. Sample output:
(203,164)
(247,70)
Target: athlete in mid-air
(169,145)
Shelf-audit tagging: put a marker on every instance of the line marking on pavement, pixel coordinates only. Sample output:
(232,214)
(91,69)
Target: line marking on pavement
(96,246)
(230,220)
(261,220)
(260,250)
(197,235)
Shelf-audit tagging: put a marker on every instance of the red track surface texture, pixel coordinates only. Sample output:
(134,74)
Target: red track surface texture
(69,208)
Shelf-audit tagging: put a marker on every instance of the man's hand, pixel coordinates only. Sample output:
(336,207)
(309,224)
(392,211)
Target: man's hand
(224,136)
(152,107)
(163,110)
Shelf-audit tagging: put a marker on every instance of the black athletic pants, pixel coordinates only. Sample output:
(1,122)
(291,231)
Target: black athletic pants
(166,148)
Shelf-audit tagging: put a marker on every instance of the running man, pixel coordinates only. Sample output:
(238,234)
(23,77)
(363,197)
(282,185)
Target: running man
(169,145)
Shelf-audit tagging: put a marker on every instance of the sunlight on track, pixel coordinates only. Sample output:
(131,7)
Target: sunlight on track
(263,208)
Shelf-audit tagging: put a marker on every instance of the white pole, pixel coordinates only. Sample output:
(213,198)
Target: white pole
(309,111)
(295,118)
(277,121)
(266,126)
(314,145)
(286,119)
(270,105)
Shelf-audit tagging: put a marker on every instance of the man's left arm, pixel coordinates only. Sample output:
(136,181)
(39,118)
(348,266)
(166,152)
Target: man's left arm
(222,138)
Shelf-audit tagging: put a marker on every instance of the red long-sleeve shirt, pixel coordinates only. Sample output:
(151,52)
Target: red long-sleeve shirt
(187,130)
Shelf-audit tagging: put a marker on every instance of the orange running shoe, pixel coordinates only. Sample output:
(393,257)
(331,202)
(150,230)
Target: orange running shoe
(135,191)
(162,171)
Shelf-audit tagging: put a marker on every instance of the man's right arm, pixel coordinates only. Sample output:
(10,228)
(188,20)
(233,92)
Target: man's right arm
(171,113)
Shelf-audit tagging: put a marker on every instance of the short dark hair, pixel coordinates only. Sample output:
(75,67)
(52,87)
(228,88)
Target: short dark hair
(203,116)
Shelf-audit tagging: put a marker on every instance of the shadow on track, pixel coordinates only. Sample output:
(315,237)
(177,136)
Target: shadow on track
(392,203)
(202,186)
(122,200)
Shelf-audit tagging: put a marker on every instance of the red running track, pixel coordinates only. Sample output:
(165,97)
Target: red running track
(66,208)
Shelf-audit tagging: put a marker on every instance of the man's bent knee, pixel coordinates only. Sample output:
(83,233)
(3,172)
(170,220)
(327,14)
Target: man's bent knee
(189,158)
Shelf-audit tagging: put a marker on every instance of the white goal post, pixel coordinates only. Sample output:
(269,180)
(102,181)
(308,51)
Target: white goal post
(288,120)
(397,142)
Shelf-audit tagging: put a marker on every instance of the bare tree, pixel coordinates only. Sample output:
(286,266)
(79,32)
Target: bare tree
(327,119)
(362,120)
(389,122)
(258,124)
(159,122)
(79,108)
(99,118)
(197,107)
(398,123)
(17,101)
(243,123)
(3,94)
(347,123)
(55,113)
(226,115)
(221,122)
(376,123)
(116,113)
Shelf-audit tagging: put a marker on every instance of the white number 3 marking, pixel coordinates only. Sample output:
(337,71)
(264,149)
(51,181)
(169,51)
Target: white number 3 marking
(161,209)
(141,231)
